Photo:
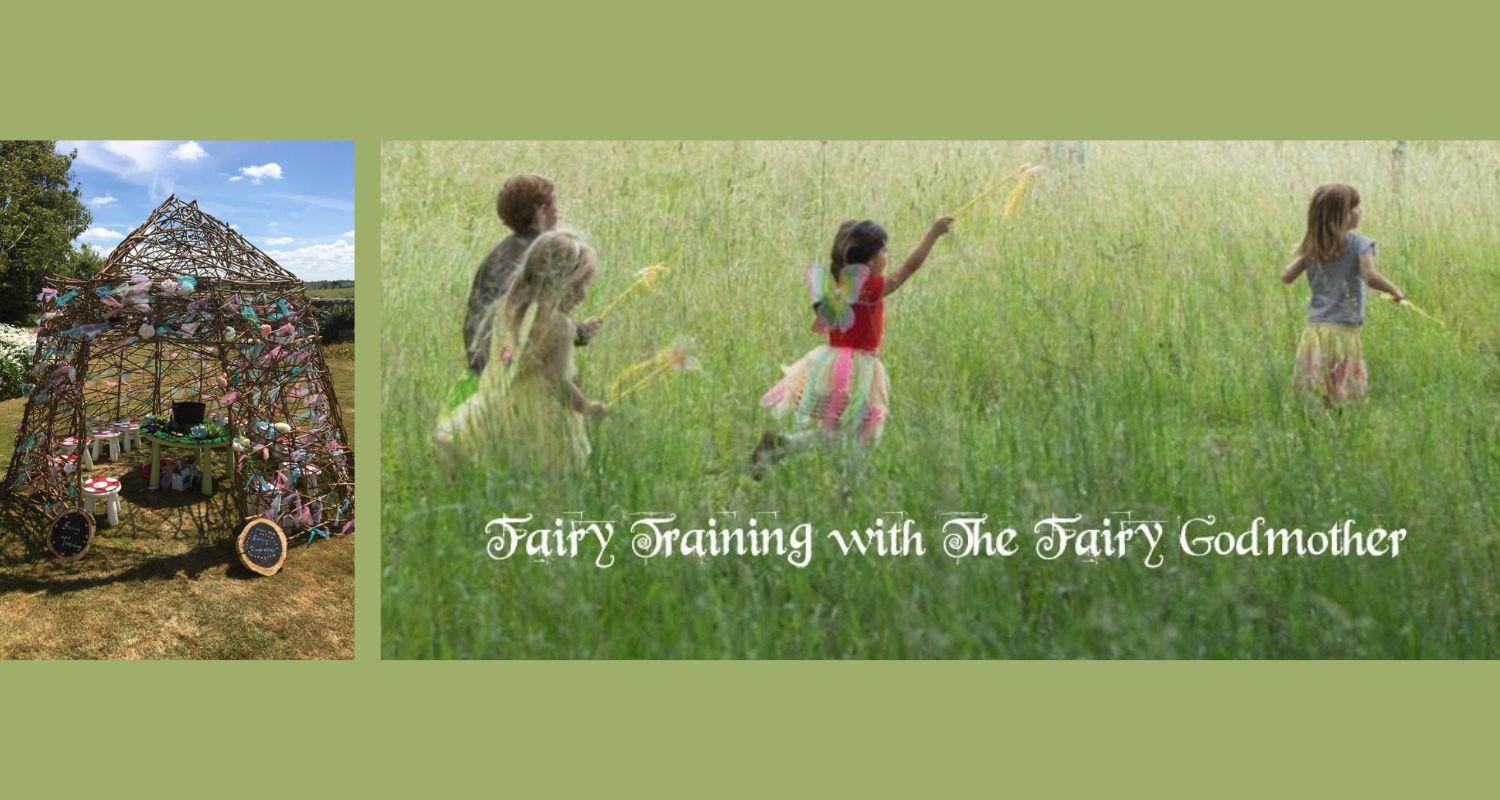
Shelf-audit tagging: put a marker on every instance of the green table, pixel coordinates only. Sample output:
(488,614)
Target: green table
(205,464)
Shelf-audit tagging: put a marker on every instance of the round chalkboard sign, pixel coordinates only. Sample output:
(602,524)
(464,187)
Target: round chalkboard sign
(70,534)
(261,546)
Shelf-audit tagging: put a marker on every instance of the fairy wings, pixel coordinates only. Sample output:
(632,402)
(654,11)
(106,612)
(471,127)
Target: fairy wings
(833,298)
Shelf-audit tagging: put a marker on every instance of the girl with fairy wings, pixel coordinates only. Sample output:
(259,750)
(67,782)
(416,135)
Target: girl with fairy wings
(841,387)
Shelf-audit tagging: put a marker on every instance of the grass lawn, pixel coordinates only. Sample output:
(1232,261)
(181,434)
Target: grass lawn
(346,291)
(165,582)
(1121,344)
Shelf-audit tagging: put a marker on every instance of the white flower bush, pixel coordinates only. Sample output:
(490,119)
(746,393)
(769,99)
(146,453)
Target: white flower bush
(16,348)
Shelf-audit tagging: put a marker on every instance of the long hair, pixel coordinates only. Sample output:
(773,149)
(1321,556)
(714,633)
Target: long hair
(551,265)
(1329,217)
(857,242)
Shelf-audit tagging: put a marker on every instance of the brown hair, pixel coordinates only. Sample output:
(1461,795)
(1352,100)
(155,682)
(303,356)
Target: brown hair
(857,242)
(1328,221)
(520,199)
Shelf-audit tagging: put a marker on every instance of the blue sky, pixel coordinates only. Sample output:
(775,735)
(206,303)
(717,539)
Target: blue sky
(294,200)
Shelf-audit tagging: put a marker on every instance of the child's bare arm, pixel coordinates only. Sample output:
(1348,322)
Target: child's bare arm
(919,255)
(555,354)
(1375,280)
(581,402)
(577,398)
(1294,270)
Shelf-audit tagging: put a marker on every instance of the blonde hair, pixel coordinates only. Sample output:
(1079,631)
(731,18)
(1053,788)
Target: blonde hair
(1329,217)
(554,262)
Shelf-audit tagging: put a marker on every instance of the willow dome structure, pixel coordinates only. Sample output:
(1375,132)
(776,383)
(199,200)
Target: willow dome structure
(186,309)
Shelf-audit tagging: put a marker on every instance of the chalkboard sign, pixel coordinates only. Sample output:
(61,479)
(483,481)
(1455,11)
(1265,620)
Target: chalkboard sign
(70,534)
(261,546)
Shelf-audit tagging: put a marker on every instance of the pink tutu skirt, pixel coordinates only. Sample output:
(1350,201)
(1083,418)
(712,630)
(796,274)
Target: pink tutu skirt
(835,389)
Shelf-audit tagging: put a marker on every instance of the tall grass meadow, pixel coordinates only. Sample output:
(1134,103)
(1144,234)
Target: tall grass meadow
(1120,344)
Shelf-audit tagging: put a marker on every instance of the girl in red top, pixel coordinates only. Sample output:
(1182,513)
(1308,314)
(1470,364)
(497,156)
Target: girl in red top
(842,386)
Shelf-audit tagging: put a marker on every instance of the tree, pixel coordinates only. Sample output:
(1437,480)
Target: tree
(82,262)
(40,216)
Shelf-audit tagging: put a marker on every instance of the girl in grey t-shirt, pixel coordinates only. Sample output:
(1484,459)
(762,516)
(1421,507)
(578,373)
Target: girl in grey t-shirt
(1339,264)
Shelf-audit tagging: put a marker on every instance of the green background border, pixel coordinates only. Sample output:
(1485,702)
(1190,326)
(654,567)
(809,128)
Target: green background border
(765,70)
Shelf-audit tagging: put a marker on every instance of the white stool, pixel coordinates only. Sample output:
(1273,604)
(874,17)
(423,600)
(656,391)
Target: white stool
(68,462)
(69,444)
(108,438)
(106,489)
(130,436)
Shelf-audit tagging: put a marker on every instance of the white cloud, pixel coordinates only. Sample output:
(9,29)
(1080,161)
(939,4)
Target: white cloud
(318,262)
(161,186)
(99,234)
(133,160)
(103,201)
(237,178)
(188,151)
(101,240)
(270,170)
(280,240)
(139,163)
(349,234)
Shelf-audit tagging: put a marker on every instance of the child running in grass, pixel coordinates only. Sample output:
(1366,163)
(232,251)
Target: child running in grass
(529,394)
(841,387)
(1339,263)
(527,204)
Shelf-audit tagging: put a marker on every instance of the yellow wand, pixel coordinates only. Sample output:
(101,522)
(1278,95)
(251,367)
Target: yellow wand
(1414,307)
(646,278)
(643,373)
(1023,172)
(1014,201)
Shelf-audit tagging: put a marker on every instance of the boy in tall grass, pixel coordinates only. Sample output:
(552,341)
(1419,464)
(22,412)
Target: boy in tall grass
(1339,263)
(527,204)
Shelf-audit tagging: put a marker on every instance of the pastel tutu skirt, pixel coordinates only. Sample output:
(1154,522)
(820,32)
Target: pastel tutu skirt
(835,389)
(1331,363)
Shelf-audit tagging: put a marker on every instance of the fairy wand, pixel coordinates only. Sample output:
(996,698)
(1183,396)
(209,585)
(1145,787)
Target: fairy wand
(1022,175)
